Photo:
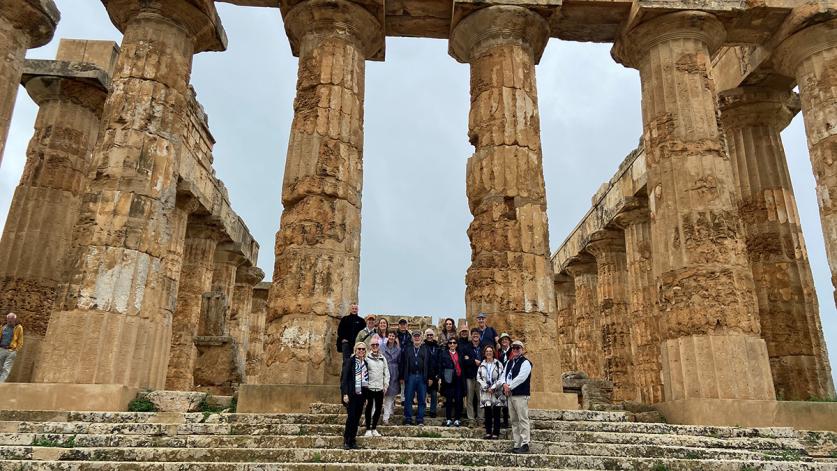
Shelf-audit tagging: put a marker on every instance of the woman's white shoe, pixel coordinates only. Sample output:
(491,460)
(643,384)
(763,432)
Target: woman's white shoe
(368,434)
(376,433)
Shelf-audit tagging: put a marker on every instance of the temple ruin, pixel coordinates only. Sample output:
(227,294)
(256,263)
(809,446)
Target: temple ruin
(687,285)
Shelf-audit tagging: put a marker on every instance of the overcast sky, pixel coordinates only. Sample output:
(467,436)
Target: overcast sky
(415,250)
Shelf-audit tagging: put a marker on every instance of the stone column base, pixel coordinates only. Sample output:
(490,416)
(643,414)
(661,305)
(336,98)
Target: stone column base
(800,415)
(284,398)
(553,400)
(66,397)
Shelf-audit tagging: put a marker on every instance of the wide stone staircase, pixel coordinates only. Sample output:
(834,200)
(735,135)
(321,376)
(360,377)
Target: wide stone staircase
(39,440)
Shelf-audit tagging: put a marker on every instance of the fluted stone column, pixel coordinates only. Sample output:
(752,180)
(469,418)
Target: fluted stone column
(608,247)
(588,341)
(198,267)
(24,24)
(810,56)
(705,288)
(246,278)
(643,316)
(255,350)
(46,201)
(118,293)
(565,320)
(510,277)
(753,119)
(216,319)
(318,244)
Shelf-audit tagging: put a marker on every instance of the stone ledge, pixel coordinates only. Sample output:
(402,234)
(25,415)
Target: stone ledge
(284,398)
(66,397)
(800,415)
(554,401)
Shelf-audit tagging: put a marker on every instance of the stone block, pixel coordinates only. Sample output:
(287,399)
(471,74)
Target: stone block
(801,415)
(596,394)
(553,400)
(66,397)
(175,401)
(284,398)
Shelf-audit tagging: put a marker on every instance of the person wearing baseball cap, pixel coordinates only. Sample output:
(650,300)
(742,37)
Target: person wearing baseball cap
(416,371)
(366,334)
(403,335)
(488,336)
(433,388)
(516,386)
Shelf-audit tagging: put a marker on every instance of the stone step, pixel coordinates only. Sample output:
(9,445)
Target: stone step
(179,466)
(255,424)
(535,414)
(394,442)
(143,432)
(399,456)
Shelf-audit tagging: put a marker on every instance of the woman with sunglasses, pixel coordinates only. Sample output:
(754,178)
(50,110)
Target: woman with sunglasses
(378,384)
(453,382)
(354,384)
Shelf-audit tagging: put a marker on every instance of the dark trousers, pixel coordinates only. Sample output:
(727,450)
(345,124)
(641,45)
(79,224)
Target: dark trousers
(355,409)
(433,391)
(505,416)
(453,403)
(373,399)
(492,419)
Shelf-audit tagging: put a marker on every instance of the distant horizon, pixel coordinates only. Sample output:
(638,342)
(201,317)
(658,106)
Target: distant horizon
(414,246)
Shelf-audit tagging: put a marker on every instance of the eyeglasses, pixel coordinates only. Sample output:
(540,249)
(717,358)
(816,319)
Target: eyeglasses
(361,348)
(430,335)
(374,344)
(517,347)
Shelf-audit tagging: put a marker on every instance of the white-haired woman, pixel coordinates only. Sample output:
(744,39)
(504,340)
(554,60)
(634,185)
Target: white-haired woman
(354,385)
(376,363)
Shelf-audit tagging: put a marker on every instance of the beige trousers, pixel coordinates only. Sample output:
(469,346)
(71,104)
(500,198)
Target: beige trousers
(519,416)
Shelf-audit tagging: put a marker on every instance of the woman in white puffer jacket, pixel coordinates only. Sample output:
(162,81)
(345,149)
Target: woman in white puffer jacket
(376,364)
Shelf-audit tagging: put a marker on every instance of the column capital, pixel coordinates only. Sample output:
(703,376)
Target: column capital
(229,253)
(758,106)
(634,211)
(581,264)
(37,18)
(203,229)
(635,44)
(198,18)
(606,241)
(498,25)
(344,18)
(247,275)
(803,44)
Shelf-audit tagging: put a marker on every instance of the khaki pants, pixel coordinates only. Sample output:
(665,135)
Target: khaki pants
(7,359)
(519,414)
(472,395)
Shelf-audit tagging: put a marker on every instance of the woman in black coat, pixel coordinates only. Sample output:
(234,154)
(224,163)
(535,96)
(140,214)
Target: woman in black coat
(453,382)
(354,385)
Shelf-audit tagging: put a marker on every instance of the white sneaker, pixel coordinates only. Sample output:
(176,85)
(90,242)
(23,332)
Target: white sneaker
(375,433)
(368,434)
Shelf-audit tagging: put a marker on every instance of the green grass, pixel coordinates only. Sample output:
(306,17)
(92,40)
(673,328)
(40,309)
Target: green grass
(833,454)
(822,399)
(141,405)
(205,407)
(50,443)
(784,455)
(316,458)
(660,467)
(426,434)
(692,455)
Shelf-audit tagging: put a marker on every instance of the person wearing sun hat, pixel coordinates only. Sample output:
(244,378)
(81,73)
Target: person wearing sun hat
(503,353)
(517,379)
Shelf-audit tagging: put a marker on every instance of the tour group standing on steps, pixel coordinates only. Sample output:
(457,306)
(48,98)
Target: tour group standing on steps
(486,374)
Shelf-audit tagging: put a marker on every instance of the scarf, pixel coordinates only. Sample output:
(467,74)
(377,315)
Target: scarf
(361,375)
(455,357)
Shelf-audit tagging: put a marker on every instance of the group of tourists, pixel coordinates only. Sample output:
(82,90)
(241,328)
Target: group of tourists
(477,371)
(11,341)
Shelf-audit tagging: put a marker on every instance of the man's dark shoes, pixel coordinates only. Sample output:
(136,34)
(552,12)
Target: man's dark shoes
(514,450)
(432,415)
(347,446)
(523,448)
(408,421)
(354,446)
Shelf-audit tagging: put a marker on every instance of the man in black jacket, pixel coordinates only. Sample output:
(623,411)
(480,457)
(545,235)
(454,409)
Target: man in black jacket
(347,331)
(415,373)
(471,359)
(433,388)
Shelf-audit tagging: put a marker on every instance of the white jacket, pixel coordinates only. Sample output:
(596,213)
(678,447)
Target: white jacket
(378,372)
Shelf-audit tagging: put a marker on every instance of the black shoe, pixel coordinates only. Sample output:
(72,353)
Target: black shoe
(514,450)
(420,423)
(432,415)
(347,446)
(408,422)
(354,446)
(523,448)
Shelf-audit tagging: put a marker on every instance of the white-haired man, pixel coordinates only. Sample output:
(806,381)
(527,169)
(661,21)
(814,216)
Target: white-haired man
(11,340)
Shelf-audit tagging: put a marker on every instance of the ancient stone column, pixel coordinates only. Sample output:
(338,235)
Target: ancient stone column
(642,314)
(318,244)
(70,93)
(216,320)
(198,266)
(255,349)
(565,320)
(608,247)
(510,277)
(24,24)
(588,342)
(706,294)
(104,328)
(246,278)
(753,119)
(810,56)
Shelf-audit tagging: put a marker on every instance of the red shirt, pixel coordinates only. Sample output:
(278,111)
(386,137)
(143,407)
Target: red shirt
(455,357)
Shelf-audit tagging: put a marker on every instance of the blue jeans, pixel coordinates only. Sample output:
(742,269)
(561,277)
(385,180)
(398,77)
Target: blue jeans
(415,384)
(434,398)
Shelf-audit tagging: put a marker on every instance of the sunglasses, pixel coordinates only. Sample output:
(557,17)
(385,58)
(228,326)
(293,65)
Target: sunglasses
(361,348)
(375,344)
(517,347)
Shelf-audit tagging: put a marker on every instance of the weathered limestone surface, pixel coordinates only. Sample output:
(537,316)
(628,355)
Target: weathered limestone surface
(642,314)
(705,288)
(198,265)
(810,56)
(565,320)
(246,279)
(588,342)
(118,306)
(70,93)
(608,247)
(510,277)
(218,367)
(255,348)
(753,119)
(318,243)
(24,24)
